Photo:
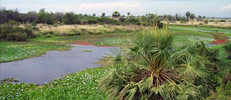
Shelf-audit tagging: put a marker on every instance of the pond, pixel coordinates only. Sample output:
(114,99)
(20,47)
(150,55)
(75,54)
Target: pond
(54,64)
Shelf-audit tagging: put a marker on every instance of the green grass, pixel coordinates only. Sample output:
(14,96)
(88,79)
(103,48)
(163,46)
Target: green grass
(187,37)
(213,29)
(11,51)
(115,41)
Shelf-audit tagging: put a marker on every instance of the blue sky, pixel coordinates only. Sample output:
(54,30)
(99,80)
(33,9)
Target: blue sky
(210,8)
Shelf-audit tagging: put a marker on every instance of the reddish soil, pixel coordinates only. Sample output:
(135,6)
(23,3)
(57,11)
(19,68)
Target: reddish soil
(220,38)
(82,43)
(87,43)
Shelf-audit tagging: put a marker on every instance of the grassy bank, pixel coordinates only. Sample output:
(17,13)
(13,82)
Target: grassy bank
(11,51)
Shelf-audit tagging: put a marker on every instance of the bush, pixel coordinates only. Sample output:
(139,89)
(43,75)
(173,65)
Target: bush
(222,20)
(227,48)
(201,24)
(9,32)
(206,21)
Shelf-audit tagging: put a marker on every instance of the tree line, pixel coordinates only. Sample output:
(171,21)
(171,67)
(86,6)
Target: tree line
(72,18)
(64,18)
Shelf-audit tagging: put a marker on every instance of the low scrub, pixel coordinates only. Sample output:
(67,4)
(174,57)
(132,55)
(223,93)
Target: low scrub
(10,32)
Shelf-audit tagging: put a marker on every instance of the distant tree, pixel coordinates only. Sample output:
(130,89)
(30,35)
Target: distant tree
(128,13)
(188,15)
(192,16)
(31,17)
(167,18)
(69,18)
(94,14)
(6,15)
(85,15)
(122,18)
(204,17)
(42,16)
(199,18)
(45,17)
(58,17)
(103,14)
(116,15)
(177,18)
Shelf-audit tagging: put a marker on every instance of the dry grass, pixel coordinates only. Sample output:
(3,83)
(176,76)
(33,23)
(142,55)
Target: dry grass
(212,24)
(94,29)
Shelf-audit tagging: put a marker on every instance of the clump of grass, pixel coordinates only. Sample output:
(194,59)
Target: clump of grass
(87,51)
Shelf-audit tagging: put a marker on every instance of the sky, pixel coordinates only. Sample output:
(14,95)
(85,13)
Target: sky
(209,8)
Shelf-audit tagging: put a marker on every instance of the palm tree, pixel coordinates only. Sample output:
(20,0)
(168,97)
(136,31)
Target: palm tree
(188,15)
(204,18)
(116,15)
(94,14)
(192,16)
(128,13)
(103,14)
(199,18)
(154,70)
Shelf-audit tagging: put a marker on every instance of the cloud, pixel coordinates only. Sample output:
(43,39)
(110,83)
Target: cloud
(227,7)
(109,5)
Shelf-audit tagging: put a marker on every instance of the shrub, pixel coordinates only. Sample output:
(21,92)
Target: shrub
(9,32)
(222,20)
(154,70)
(227,48)
(201,24)
(206,21)
(74,33)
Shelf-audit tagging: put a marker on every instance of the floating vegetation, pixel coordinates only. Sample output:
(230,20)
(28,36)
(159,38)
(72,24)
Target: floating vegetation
(87,51)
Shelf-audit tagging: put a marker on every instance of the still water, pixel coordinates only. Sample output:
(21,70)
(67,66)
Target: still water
(54,64)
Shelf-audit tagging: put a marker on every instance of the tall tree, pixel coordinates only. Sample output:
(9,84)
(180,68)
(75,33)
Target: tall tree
(204,17)
(69,18)
(31,17)
(199,18)
(116,15)
(192,16)
(128,13)
(103,14)
(188,15)
(177,18)
(94,14)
